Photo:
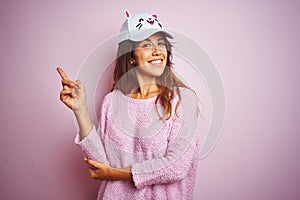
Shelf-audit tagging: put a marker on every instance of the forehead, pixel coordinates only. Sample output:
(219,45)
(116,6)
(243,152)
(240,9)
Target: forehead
(154,37)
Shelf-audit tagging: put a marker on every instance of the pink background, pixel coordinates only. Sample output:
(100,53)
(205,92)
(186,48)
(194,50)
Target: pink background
(255,45)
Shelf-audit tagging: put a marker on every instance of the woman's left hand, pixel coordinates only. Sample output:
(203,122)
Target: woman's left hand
(101,171)
(98,170)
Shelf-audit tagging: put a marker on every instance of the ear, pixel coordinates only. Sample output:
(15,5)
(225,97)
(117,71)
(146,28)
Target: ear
(154,15)
(132,62)
(127,14)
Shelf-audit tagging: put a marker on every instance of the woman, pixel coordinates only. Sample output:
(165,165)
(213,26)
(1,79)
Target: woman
(146,146)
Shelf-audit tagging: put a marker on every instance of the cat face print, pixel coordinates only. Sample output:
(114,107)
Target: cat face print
(144,21)
(150,20)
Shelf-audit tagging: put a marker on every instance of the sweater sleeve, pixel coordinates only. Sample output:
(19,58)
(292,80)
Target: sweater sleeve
(181,152)
(92,145)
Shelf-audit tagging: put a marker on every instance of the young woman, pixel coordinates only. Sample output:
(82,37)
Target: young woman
(146,146)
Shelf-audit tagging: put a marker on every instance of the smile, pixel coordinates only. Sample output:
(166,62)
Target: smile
(159,61)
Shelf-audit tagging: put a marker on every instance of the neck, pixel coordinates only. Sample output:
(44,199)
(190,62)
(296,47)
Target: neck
(147,88)
(145,92)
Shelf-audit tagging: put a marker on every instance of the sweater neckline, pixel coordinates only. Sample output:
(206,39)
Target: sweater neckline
(127,98)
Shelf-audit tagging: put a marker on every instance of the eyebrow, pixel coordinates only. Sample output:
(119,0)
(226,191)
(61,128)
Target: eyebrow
(150,40)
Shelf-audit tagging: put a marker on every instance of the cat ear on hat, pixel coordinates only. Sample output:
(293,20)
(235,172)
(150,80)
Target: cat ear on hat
(127,14)
(154,15)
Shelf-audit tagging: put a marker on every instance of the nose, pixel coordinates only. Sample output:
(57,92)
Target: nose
(156,51)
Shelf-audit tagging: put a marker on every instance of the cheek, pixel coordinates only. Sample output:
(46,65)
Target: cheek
(142,57)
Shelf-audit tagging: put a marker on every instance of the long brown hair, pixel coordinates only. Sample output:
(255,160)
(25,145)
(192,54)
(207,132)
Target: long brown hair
(126,81)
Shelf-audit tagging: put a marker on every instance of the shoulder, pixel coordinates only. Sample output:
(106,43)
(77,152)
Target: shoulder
(107,98)
(187,91)
(188,102)
(114,97)
(187,94)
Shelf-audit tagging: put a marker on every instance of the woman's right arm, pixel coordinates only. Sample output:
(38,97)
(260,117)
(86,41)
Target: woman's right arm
(74,97)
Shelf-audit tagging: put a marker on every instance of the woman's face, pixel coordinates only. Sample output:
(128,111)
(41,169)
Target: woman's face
(151,56)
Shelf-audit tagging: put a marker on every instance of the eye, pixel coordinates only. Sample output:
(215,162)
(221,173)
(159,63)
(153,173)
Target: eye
(141,19)
(161,44)
(147,45)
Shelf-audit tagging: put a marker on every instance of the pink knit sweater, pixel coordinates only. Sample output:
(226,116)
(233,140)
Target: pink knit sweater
(163,154)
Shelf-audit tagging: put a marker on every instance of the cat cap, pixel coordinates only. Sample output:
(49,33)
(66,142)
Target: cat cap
(140,26)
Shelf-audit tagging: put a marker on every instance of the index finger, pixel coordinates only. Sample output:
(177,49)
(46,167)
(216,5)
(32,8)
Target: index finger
(62,74)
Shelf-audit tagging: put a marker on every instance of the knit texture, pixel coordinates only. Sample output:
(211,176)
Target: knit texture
(163,154)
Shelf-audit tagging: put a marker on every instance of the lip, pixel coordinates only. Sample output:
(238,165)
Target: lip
(158,61)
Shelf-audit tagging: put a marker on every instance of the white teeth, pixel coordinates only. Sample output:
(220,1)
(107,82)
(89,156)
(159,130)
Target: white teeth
(156,61)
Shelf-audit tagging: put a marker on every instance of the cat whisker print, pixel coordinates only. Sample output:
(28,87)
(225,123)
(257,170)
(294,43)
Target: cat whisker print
(159,24)
(139,26)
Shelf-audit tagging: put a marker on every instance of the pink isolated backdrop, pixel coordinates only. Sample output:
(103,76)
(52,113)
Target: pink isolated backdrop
(255,45)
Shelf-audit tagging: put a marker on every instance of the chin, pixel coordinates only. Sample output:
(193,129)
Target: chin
(158,74)
(152,71)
